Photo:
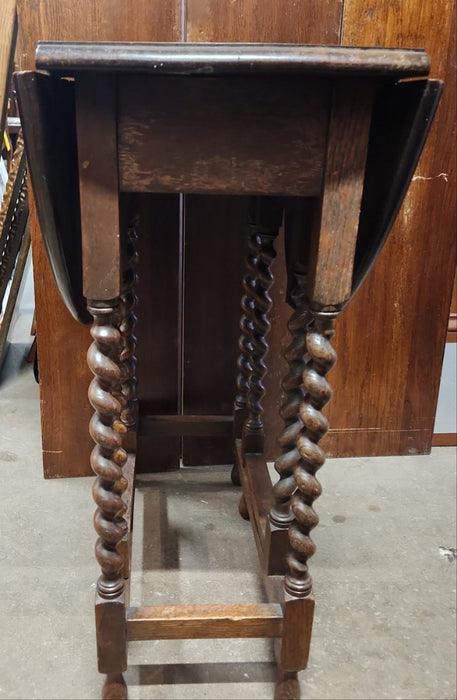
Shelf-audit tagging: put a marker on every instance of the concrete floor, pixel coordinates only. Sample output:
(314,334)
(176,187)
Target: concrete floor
(384,575)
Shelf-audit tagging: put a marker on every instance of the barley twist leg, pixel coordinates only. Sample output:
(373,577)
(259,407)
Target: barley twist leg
(107,460)
(292,385)
(265,216)
(108,455)
(253,435)
(245,347)
(298,582)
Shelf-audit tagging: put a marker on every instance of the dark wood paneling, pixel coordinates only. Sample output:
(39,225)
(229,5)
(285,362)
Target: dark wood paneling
(98,185)
(62,343)
(99,20)
(334,234)
(287,21)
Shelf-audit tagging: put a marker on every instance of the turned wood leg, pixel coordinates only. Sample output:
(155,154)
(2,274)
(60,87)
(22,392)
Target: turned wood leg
(244,358)
(107,459)
(287,686)
(312,457)
(114,687)
(281,515)
(265,217)
(299,604)
(243,508)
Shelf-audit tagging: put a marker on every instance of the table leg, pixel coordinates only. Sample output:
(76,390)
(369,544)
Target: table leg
(107,460)
(299,603)
(281,515)
(265,217)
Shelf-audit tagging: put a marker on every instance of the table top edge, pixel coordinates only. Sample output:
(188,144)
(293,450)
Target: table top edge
(202,58)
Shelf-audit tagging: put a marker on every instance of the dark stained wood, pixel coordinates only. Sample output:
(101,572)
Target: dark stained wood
(265,219)
(298,623)
(48,109)
(401,114)
(104,20)
(204,621)
(108,456)
(305,22)
(111,360)
(98,185)
(61,341)
(309,456)
(111,635)
(257,496)
(335,230)
(220,116)
(295,362)
(231,59)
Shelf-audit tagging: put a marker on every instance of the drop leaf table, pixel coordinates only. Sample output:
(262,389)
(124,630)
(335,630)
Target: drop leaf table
(337,129)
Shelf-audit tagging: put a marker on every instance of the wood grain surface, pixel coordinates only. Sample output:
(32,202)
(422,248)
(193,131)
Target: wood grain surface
(288,21)
(334,235)
(214,135)
(96,130)
(204,621)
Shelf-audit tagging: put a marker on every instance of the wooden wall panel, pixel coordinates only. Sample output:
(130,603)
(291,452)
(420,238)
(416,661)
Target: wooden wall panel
(99,20)
(287,21)
(391,339)
(309,21)
(62,343)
